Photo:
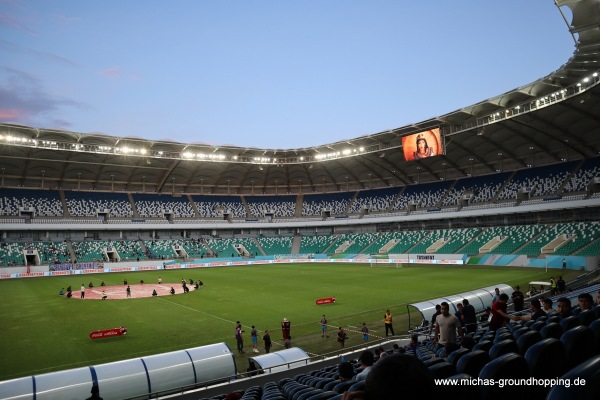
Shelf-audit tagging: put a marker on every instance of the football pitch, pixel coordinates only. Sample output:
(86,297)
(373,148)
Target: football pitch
(43,332)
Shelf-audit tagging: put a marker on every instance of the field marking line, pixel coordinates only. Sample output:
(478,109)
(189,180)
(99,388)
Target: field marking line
(195,310)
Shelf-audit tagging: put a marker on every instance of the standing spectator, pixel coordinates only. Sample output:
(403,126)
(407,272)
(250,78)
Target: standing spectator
(459,314)
(499,314)
(254,337)
(365,332)
(470,316)
(341,337)
(447,326)
(518,299)
(548,307)
(239,338)
(561,284)
(367,359)
(324,326)
(387,320)
(82,291)
(564,262)
(267,341)
(496,295)
(553,290)
(287,343)
(598,298)
(564,307)
(128,291)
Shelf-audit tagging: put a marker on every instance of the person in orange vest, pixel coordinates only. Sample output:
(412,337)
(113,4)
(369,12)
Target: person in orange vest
(387,319)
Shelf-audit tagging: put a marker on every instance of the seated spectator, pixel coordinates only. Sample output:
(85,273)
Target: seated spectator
(486,316)
(390,378)
(586,301)
(367,359)
(536,312)
(548,307)
(345,371)
(564,307)
(414,343)
(467,342)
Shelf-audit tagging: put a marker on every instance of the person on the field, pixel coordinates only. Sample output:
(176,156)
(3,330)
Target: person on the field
(324,326)
(267,341)
(154,294)
(387,320)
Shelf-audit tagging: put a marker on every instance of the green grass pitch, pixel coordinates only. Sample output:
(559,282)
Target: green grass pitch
(43,332)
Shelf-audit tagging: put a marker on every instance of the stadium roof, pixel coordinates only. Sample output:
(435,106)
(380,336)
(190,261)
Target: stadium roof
(554,119)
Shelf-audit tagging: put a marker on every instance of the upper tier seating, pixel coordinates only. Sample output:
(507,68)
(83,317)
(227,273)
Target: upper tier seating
(281,206)
(215,206)
(337,203)
(46,203)
(87,204)
(377,200)
(427,195)
(155,205)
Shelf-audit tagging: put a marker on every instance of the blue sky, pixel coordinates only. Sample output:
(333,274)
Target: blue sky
(268,74)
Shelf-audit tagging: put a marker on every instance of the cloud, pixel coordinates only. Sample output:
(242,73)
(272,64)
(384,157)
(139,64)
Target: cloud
(15,23)
(23,98)
(42,55)
(119,72)
(111,72)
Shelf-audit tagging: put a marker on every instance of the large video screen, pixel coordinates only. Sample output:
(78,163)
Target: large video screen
(423,145)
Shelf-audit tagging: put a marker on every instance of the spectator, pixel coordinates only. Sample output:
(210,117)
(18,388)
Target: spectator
(553,290)
(564,307)
(536,312)
(446,326)
(239,338)
(561,285)
(518,299)
(413,344)
(496,295)
(499,314)
(467,342)
(469,316)
(598,298)
(459,314)
(287,344)
(367,359)
(390,378)
(345,371)
(485,317)
(586,301)
(548,307)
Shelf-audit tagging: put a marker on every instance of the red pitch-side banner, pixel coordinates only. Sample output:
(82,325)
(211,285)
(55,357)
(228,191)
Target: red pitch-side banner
(326,300)
(108,333)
